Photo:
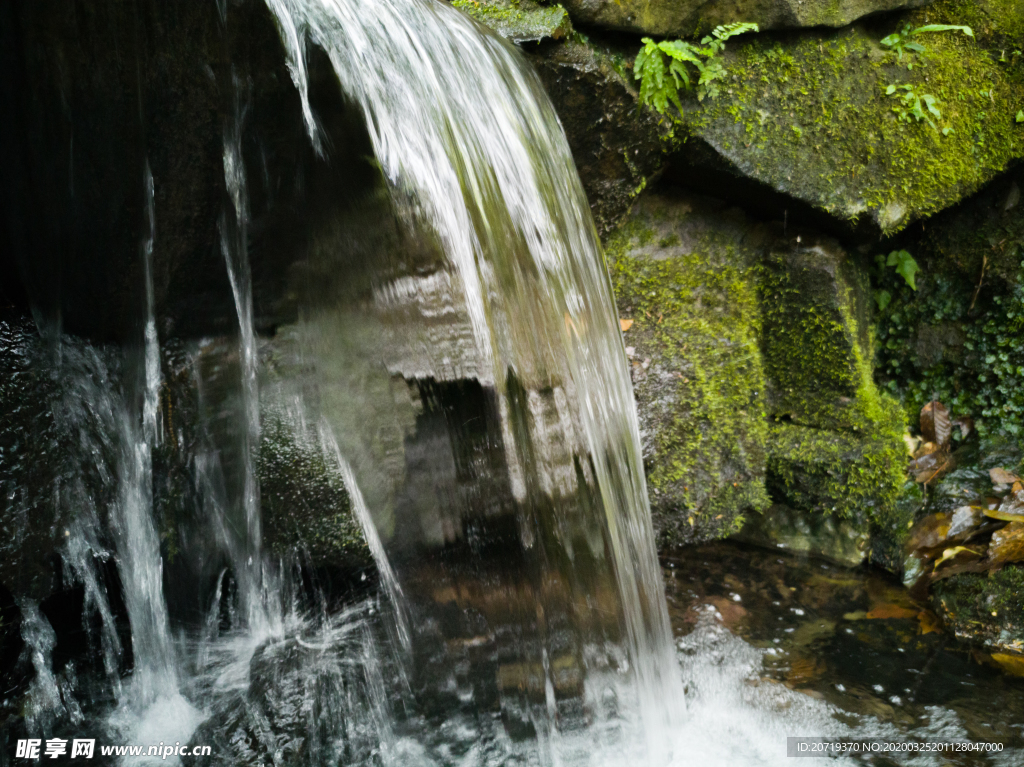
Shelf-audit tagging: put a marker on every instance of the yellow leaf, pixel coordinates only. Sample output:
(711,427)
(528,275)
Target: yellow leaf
(625,324)
(1012,664)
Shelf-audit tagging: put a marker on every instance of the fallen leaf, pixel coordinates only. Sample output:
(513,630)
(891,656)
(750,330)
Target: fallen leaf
(926,448)
(935,423)
(1002,477)
(956,552)
(625,324)
(929,622)
(1007,545)
(1011,664)
(929,532)
(886,612)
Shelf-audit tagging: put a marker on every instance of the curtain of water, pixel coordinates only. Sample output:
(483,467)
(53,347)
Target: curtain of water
(460,124)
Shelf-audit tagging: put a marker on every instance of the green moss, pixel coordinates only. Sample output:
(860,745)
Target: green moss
(697,314)
(989,608)
(836,442)
(812,120)
(519,20)
(304,502)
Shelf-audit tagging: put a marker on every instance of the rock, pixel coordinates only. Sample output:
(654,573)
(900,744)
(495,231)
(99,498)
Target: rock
(982,610)
(836,443)
(846,541)
(616,145)
(684,271)
(676,18)
(521,21)
(1007,545)
(808,117)
(304,503)
(95,98)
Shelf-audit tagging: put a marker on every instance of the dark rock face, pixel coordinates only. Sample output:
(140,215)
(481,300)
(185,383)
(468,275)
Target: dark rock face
(615,143)
(98,93)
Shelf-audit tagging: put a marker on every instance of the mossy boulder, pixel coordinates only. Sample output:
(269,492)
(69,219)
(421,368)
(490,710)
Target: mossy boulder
(808,116)
(682,17)
(835,442)
(521,21)
(684,272)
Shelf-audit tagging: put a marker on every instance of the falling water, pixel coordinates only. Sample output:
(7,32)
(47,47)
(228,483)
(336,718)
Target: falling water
(461,125)
(234,228)
(153,696)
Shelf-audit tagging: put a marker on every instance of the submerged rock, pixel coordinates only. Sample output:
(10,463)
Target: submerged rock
(682,17)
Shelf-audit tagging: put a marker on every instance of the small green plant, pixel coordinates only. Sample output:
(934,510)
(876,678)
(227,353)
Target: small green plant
(906,267)
(906,40)
(664,68)
(914,106)
(1020,116)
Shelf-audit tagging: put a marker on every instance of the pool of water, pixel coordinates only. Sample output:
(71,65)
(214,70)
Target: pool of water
(774,645)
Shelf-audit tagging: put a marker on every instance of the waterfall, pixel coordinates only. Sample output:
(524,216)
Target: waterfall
(461,126)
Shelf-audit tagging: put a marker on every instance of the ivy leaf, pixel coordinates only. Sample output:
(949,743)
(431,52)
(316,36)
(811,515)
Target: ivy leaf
(905,265)
(882,298)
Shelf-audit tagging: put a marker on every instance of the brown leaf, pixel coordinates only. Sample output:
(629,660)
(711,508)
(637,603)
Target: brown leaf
(926,448)
(1001,476)
(625,324)
(935,423)
(1007,545)
(932,466)
(929,532)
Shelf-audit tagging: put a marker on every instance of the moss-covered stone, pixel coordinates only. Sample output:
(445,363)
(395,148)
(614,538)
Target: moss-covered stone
(521,21)
(684,271)
(835,443)
(809,116)
(681,17)
(305,505)
(984,610)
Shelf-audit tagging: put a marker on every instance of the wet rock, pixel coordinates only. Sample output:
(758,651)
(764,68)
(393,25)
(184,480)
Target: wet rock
(984,610)
(842,540)
(680,17)
(304,504)
(683,268)
(521,21)
(616,144)
(98,96)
